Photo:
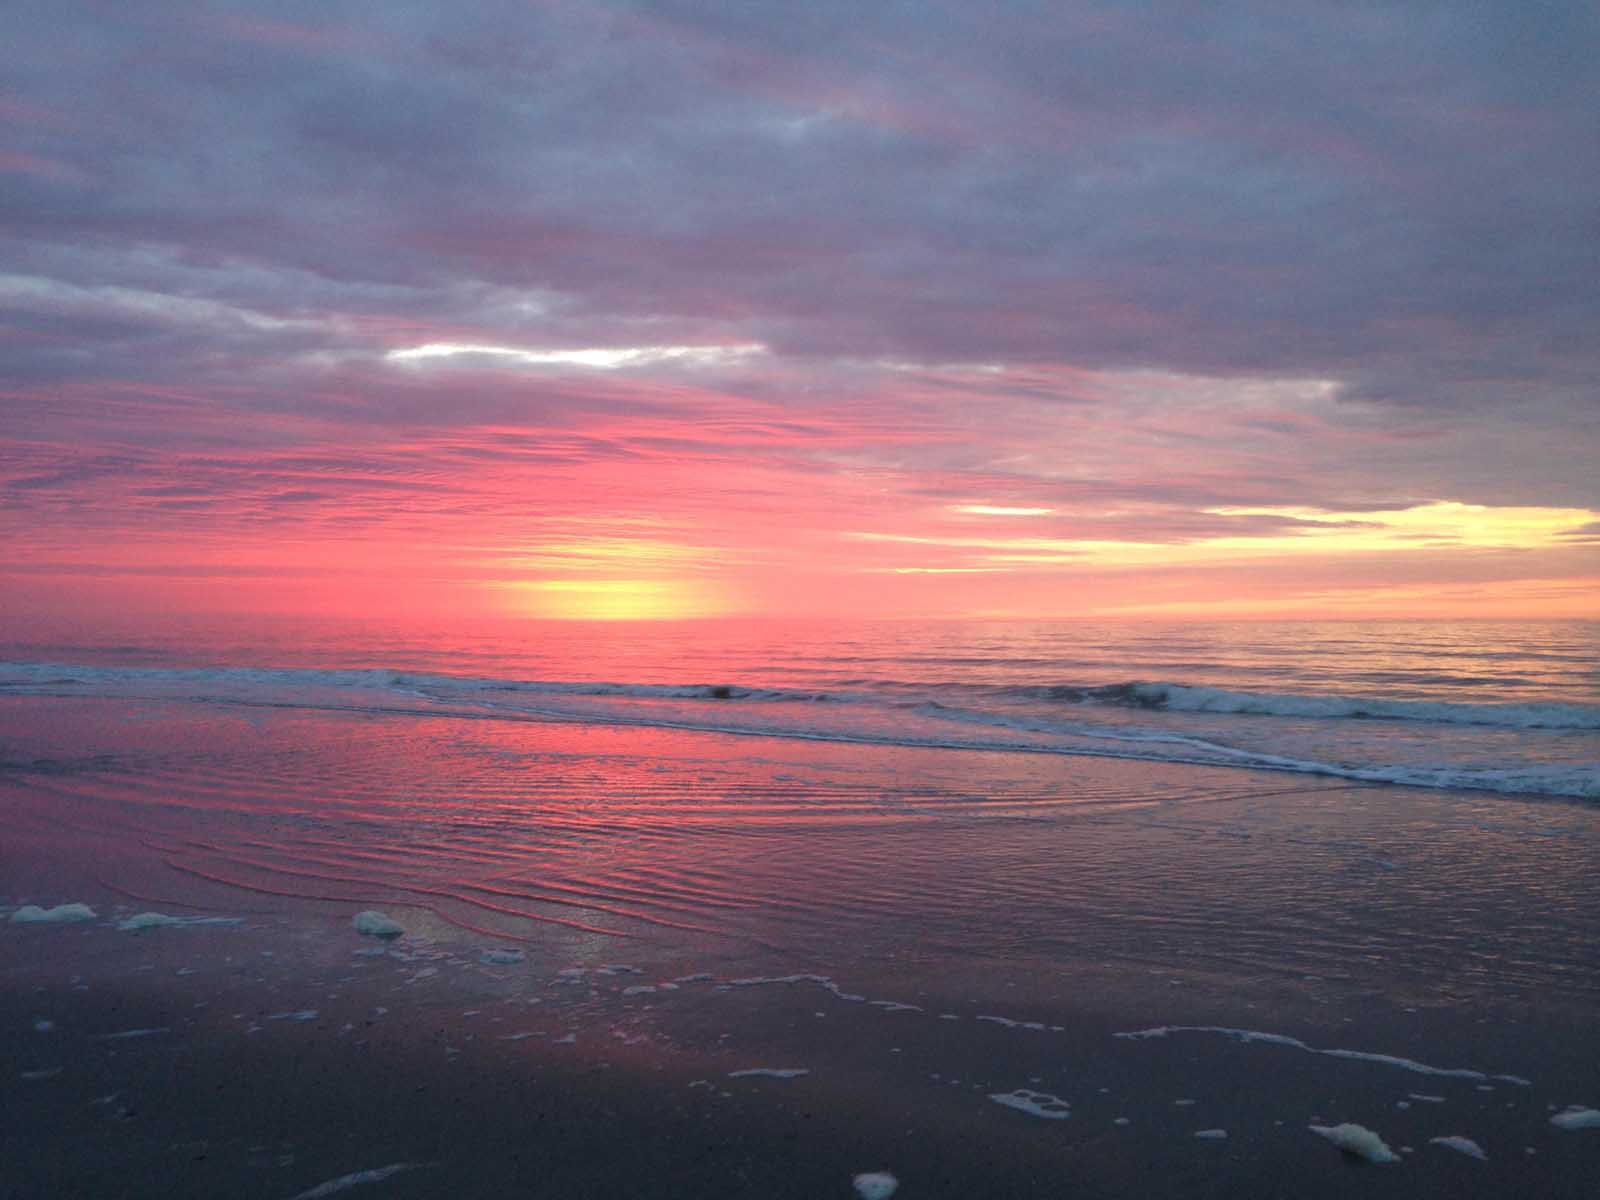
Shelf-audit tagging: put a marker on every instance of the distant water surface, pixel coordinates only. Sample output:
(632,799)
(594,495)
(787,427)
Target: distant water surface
(1502,706)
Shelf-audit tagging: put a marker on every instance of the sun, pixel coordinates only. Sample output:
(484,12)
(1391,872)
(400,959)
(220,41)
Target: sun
(615,599)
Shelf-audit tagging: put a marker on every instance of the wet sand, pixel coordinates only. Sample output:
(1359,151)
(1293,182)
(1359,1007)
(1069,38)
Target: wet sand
(1443,944)
(513,1079)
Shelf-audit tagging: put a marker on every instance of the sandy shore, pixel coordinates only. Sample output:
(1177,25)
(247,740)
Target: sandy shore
(147,1079)
(931,984)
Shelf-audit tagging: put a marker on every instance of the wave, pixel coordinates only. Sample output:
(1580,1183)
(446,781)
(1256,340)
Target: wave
(1170,697)
(1096,721)
(1175,697)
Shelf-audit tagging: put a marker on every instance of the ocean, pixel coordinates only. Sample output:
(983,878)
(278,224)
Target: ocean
(1500,706)
(978,907)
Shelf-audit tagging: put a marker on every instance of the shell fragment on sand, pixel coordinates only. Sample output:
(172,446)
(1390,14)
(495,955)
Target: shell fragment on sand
(1357,1140)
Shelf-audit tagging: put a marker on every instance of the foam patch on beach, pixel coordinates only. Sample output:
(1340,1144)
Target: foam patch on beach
(156,920)
(1035,1104)
(1248,1036)
(354,1179)
(1014,1023)
(1357,1140)
(770,1073)
(1576,1116)
(823,981)
(377,924)
(875,1185)
(61,914)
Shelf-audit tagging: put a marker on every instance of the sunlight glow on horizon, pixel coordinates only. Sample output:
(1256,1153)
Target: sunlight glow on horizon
(613,599)
(1446,524)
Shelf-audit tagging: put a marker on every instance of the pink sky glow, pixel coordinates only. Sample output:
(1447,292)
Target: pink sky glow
(657,311)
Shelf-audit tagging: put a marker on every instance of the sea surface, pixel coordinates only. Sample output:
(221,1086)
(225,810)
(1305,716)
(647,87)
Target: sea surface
(1500,706)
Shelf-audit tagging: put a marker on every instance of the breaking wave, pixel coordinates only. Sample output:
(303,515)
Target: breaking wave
(1175,697)
(1525,748)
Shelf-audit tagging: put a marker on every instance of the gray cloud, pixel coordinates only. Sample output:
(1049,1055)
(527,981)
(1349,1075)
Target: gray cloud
(1398,198)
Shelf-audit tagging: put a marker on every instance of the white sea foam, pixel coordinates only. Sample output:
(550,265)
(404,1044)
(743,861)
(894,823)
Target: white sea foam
(61,914)
(1212,1135)
(770,1073)
(1357,1140)
(146,920)
(875,1185)
(128,1034)
(1576,1116)
(377,924)
(155,920)
(374,1175)
(1278,1039)
(1461,1145)
(822,981)
(1012,1023)
(1180,698)
(1035,1104)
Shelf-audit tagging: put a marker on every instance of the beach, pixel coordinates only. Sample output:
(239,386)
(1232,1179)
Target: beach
(639,960)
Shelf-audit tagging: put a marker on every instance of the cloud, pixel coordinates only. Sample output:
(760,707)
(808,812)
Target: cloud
(1388,196)
(610,358)
(846,266)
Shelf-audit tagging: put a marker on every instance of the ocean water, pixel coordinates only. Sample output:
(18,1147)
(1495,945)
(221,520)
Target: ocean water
(1500,706)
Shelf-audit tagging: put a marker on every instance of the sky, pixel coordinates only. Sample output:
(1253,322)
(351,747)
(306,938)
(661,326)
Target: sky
(665,310)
